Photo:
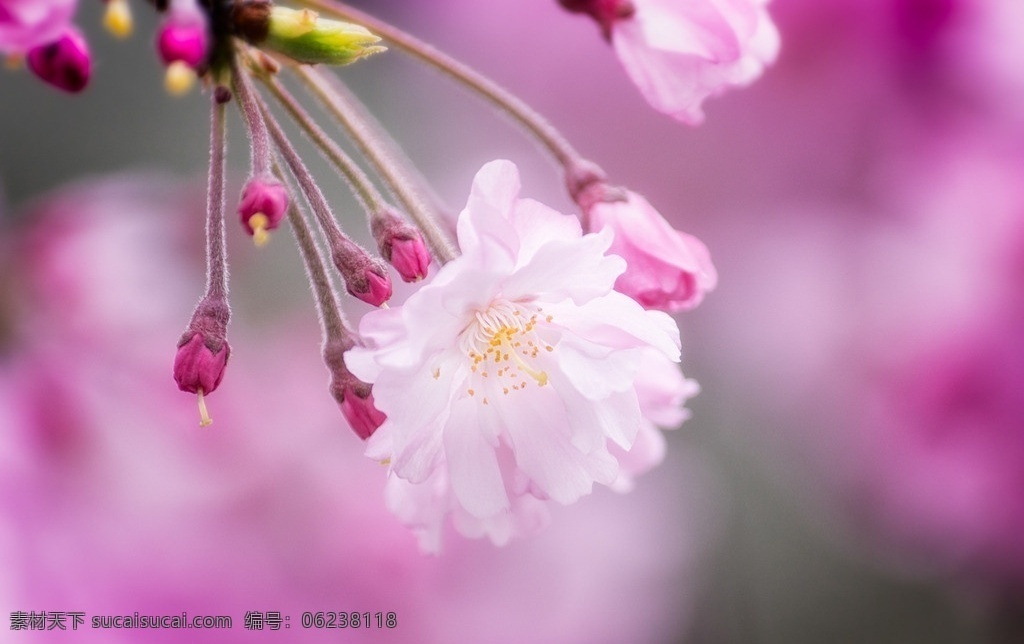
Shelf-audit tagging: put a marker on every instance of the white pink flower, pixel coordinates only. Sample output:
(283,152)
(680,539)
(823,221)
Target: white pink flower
(680,52)
(513,372)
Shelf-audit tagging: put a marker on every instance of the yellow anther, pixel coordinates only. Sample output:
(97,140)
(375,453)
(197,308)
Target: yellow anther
(14,62)
(259,223)
(204,416)
(118,18)
(179,78)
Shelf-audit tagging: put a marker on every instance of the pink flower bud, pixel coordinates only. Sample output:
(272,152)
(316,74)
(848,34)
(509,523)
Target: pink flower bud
(377,290)
(402,246)
(357,406)
(262,206)
(198,365)
(410,258)
(64,63)
(183,40)
(203,351)
(365,277)
(354,397)
(665,269)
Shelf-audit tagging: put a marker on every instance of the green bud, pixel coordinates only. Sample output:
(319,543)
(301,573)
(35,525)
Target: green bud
(308,38)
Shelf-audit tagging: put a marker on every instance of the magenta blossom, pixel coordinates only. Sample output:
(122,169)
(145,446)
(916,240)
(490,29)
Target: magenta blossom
(183,40)
(665,269)
(197,366)
(25,24)
(64,63)
(263,204)
(514,371)
(680,53)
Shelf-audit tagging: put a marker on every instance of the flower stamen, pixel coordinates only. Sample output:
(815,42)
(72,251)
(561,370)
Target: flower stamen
(204,415)
(179,78)
(117,18)
(260,224)
(502,334)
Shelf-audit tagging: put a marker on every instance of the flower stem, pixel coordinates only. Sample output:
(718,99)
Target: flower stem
(332,320)
(257,127)
(534,123)
(362,187)
(216,248)
(307,184)
(374,147)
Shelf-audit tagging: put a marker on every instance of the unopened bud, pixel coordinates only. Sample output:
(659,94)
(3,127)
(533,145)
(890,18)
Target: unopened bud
(307,38)
(262,206)
(358,407)
(203,352)
(354,397)
(64,63)
(365,277)
(183,39)
(198,365)
(402,246)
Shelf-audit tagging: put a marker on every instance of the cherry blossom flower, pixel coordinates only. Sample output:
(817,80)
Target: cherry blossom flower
(105,486)
(680,53)
(424,507)
(26,24)
(514,371)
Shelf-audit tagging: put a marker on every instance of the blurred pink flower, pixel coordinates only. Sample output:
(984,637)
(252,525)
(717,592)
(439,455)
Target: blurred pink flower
(513,371)
(114,503)
(26,24)
(680,53)
(917,439)
(64,63)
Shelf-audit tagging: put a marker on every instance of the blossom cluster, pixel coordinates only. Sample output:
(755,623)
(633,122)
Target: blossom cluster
(537,355)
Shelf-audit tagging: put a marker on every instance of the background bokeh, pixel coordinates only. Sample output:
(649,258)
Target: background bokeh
(854,467)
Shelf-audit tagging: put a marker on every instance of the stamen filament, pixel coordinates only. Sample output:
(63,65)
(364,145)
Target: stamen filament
(540,376)
(204,415)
